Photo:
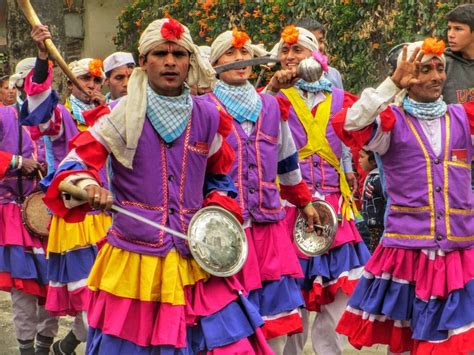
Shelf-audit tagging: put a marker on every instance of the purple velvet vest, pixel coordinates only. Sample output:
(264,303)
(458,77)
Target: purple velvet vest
(255,167)
(319,175)
(9,140)
(165,184)
(431,202)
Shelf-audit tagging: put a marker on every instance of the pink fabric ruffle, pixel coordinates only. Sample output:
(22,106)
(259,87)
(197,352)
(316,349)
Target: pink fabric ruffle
(61,302)
(13,231)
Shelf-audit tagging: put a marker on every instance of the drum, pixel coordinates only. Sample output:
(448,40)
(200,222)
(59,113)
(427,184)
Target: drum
(217,241)
(35,215)
(310,243)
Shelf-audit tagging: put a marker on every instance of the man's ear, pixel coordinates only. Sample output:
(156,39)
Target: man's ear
(69,85)
(142,60)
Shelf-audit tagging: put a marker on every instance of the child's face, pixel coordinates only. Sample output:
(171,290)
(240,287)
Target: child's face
(364,161)
(460,36)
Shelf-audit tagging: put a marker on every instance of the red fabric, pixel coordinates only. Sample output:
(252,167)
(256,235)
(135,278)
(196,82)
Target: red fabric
(469,108)
(285,105)
(462,343)
(225,123)
(348,100)
(28,286)
(221,161)
(298,195)
(387,119)
(353,139)
(290,324)
(90,116)
(363,332)
(5,159)
(53,198)
(91,151)
(320,295)
(228,203)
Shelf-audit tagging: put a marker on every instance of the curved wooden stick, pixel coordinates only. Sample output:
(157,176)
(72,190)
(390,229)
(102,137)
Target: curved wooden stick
(33,19)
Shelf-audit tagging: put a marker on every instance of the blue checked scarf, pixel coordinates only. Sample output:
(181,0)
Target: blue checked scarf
(169,115)
(77,107)
(242,102)
(322,84)
(425,110)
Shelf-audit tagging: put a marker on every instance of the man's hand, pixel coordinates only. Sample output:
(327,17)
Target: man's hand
(99,198)
(97,98)
(282,79)
(29,166)
(407,71)
(39,34)
(311,216)
(352,180)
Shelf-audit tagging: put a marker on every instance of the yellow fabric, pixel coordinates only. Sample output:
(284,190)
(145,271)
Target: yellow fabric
(65,236)
(315,128)
(81,127)
(144,277)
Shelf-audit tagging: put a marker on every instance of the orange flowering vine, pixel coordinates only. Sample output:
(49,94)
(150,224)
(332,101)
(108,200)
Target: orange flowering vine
(95,68)
(290,34)
(433,46)
(240,38)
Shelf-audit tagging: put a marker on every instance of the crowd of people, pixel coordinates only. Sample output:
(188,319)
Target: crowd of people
(171,137)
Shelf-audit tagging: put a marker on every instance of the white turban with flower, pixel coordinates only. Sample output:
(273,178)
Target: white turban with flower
(237,39)
(292,34)
(87,66)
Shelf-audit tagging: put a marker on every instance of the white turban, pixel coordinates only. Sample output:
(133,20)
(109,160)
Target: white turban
(123,128)
(426,57)
(21,71)
(226,40)
(118,59)
(305,38)
(83,67)
(205,52)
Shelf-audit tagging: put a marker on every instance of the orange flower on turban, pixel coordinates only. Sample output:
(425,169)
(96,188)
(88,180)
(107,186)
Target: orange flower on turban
(95,68)
(240,38)
(433,46)
(290,34)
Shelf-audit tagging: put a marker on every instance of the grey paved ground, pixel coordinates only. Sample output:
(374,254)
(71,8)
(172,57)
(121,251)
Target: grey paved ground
(8,344)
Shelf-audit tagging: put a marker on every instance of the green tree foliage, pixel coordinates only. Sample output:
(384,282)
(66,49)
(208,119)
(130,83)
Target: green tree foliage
(360,32)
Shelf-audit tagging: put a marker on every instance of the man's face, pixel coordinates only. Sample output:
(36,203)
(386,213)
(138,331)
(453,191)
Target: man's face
(167,67)
(7,95)
(291,56)
(92,83)
(460,36)
(118,81)
(321,40)
(235,77)
(432,77)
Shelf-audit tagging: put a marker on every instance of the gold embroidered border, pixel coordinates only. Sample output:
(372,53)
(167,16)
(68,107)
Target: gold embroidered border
(408,236)
(410,209)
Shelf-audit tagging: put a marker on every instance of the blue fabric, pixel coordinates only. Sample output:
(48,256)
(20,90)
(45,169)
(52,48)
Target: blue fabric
(78,107)
(48,148)
(219,182)
(331,265)
(429,321)
(69,165)
(242,102)
(169,115)
(322,84)
(288,164)
(23,265)
(277,296)
(425,110)
(236,321)
(42,113)
(71,266)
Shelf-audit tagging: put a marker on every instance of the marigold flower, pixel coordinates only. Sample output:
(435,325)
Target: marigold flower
(95,68)
(433,46)
(240,38)
(290,34)
(172,29)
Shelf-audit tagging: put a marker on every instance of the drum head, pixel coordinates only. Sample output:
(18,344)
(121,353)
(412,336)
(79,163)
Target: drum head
(35,215)
(217,241)
(310,243)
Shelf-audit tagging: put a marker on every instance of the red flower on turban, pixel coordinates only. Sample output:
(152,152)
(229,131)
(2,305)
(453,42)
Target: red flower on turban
(95,68)
(433,46)
(172,29)
(240,38)
(290,34)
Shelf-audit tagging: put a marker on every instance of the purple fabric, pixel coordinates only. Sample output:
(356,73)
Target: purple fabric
(71,266)
(405,158)
(168,180)
(23,265)
(317,173)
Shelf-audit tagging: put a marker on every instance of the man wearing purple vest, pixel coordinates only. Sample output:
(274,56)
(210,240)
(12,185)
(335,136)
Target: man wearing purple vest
(329,278)
(169,158)
(265,151)
(417,291)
